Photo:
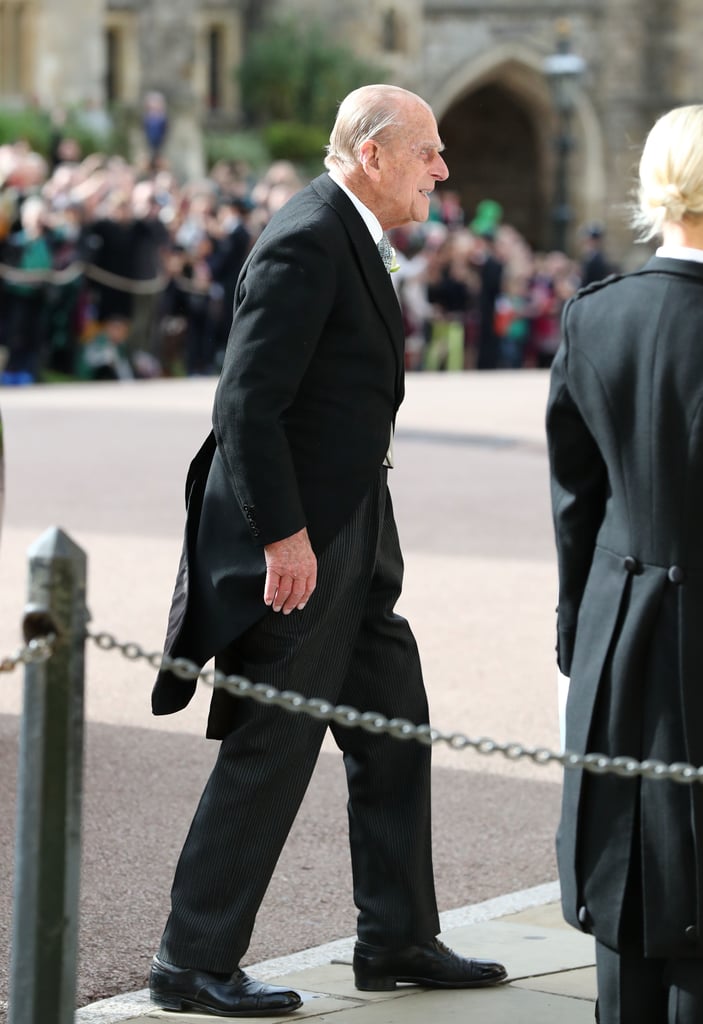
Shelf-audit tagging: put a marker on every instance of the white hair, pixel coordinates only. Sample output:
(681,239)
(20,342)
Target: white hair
(370,112)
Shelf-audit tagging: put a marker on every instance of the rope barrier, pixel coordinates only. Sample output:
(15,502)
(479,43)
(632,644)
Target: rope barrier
(41,649)
(71,273)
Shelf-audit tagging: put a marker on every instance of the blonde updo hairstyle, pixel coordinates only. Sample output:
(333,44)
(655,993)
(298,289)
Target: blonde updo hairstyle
(671,172)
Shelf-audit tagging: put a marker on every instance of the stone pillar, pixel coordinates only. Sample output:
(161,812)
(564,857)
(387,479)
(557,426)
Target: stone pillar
(686,33)
(167,47)
(70,67)
(623,75)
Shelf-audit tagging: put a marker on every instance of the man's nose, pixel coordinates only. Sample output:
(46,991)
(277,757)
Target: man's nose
(440,170)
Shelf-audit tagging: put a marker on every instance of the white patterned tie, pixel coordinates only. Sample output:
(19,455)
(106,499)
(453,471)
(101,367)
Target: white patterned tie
(386,252)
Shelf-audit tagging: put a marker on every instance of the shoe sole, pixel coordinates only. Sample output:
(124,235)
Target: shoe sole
(387,984)
(180,1004)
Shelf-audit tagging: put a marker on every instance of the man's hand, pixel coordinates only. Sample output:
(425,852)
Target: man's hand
(291,573)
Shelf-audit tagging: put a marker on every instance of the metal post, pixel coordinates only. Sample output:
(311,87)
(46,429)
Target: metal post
(564,70)
(47,854)
(562,210)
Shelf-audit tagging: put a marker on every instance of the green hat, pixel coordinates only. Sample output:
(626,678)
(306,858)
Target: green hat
(488,217)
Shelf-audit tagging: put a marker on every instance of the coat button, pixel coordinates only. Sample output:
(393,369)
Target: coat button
(631,565)
(584,918)
(691,933)
(676,574)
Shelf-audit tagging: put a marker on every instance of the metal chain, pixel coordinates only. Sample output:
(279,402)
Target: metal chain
(37,650)
(398,728)
(41,648)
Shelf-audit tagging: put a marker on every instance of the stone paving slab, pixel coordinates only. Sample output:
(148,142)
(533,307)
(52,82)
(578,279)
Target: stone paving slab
(315,1005)
(504,1005)
(579,984)
(551,981)
(525,949)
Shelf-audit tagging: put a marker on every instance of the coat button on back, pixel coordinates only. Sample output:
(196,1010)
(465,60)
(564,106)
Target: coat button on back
(691,933)
(631,565)
(676,574)
(584,918)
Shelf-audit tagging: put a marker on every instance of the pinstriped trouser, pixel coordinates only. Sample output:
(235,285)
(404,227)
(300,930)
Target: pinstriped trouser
(348,646)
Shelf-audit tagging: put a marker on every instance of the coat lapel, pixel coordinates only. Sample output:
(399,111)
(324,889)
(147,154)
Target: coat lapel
(375,274)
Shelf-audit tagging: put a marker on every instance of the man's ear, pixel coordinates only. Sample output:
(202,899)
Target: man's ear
(369,155)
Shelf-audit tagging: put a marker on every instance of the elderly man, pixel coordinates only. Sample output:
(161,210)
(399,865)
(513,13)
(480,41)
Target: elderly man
(290,572)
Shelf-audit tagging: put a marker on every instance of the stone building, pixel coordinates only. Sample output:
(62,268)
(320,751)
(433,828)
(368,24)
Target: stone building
(480,63)
(95,54)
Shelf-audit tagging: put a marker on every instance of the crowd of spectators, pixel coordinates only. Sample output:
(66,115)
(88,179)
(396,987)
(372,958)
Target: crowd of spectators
(111,271)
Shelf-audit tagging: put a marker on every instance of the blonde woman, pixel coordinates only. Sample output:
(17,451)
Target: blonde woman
(625,431)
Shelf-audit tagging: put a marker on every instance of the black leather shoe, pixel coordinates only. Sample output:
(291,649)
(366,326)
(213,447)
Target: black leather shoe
(432,965)
(236,995)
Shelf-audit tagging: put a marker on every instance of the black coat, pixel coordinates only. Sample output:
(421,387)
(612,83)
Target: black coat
(312,379)
(625,429)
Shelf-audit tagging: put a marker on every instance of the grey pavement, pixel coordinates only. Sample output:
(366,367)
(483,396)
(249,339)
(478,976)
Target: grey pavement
(551,976)
(107,464)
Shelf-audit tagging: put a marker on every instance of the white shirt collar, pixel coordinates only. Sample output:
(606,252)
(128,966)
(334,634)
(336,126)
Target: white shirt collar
(680,252)
(370,219)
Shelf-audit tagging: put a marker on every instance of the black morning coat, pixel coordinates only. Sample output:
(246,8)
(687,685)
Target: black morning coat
(312,378)
(625,434)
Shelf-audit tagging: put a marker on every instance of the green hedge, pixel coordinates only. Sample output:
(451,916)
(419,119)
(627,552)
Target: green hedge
(295,70)
(29,124)
(248,147)
(34,126)
(299,143)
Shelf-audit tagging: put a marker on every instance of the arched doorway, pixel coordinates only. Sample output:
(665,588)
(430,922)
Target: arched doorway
(495,150)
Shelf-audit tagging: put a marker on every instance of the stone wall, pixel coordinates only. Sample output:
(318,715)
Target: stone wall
(68,52)
(479,62)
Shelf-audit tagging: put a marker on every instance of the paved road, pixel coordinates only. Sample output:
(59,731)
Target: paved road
(107,464)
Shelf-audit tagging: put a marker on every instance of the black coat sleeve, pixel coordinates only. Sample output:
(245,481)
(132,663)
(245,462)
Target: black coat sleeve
(579,484)
(282,306)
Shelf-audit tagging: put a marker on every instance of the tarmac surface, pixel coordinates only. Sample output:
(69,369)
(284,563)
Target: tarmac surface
(107,464)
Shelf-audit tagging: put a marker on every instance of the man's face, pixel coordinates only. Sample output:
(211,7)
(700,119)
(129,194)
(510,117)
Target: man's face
(410,165)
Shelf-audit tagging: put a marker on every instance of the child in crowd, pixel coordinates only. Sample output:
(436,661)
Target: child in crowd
(103,356)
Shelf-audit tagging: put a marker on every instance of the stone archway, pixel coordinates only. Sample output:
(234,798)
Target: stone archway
(496,117)
(495,151)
